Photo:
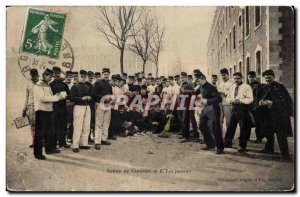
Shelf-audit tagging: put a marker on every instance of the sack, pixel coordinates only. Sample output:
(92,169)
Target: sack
(21,122)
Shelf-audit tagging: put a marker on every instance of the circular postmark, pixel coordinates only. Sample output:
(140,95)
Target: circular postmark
(65,61)
(21,157)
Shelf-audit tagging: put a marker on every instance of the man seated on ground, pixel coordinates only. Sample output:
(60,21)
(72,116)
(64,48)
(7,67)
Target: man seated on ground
(157,119)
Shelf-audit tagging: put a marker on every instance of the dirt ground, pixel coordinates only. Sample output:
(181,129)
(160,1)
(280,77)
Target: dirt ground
(141,163)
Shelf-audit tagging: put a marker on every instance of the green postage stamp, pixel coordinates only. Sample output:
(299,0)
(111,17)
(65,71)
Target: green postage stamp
(43,33)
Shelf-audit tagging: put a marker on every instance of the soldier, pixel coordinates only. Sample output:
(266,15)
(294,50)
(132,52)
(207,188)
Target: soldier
(277,106)
(28,108)
(75,78)
(124,76)
(223,89)
(256,86)
(60,108)
(184,114)
(214,80)
(91,77)
(103,116)
(177,80)
(81,96)
(70,108)
(92,108)
(112,134)
(190,79)
(210,116)
(240,96)
(157,119)
(97,76)
(43,106)
(151,87)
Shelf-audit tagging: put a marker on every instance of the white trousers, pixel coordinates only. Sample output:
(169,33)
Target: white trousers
(81,124)
(101,124)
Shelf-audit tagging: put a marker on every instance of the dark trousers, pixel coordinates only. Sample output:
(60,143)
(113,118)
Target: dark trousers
(210,127)
(258,126)
(93,112)
(44,132)
(282,142)
(70,127)
(175,125)
(184,118)
(60,125)
(239,115)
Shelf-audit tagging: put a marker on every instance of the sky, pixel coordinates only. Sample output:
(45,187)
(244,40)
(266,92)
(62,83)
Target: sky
(187,31)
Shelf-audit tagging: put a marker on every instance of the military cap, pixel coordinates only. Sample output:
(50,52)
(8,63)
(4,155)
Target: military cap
(105,70)
(48,71)
(200,75)
(164,79)
(56,69)
(224,71)
(125,74)
(268,72)
(139,79)
(190,76)
(131,77)
(183,74)
(83,72)
(144,87)
(33,72)
(177,76)
(68,73)
(97,74)
(113,77)
(252,73)
(238,74)
(196,71)
(90,74)
(216,76)
(75,73)
(152,78)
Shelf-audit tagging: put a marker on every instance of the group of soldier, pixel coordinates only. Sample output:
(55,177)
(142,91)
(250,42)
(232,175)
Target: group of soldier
(66,109)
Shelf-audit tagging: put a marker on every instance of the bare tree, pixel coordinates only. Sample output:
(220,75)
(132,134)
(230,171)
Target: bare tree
(142,37)
(157,44)
(115,24)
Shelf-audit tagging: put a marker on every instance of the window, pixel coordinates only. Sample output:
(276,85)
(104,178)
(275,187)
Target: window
(240,29)
(226,46)
(233,37)
(257,10)
(240,67)
(230,72)
(247,25)
(234,69)
(258,66)
(221,53)
(230,42)
(247,64)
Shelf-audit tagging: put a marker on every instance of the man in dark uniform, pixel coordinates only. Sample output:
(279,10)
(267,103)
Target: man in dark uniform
(70,108)
(81,96)
(210,116)
(60,108)
(97,76)
(214,80)
(186,91)
(277,106)
(75,77)
(102,88)
(256,86)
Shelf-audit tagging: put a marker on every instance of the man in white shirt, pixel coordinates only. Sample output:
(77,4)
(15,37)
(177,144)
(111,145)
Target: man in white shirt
(151,87)
(240,96)
(43,105)
(223,89)
(29,102)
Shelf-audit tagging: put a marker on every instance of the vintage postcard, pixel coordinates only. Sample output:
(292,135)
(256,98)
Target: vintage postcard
(150,99)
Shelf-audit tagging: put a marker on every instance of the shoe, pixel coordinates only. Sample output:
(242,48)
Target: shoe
(264,151)
(84,147)
(97,146)
(40,157)
(31,146)
(241,150)
(54,151)
(75,150)
(105,142)
(227,145)
(67,146)
(184,141)
(219,151)
(207,148)
(112,138)
(258,141)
